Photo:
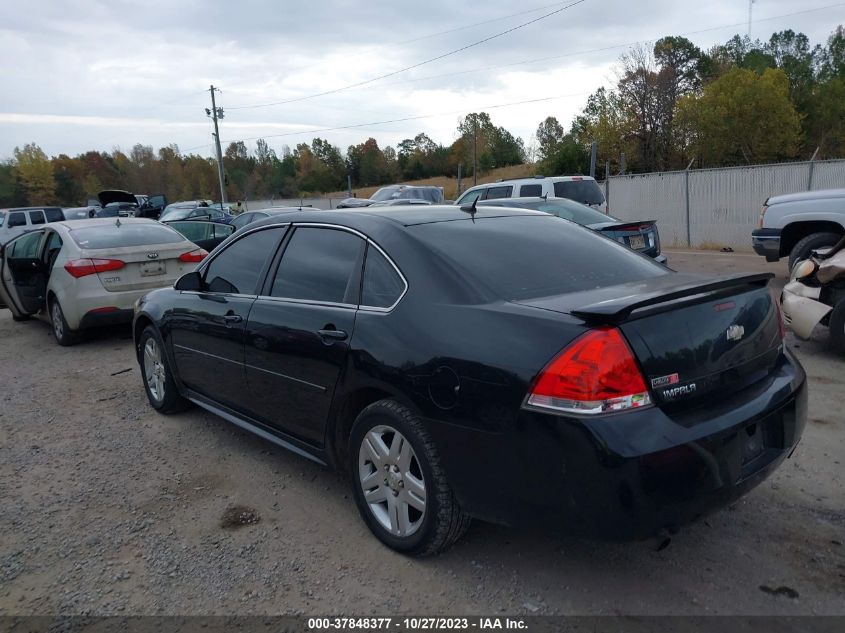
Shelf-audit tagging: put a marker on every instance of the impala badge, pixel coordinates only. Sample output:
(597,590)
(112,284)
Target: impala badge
(152,255)
(735,332)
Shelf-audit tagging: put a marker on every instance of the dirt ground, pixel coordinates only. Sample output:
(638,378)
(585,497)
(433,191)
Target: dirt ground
(110,508)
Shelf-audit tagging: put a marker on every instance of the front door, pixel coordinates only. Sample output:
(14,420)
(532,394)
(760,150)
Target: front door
(23,274)
(297,337)
(206,327)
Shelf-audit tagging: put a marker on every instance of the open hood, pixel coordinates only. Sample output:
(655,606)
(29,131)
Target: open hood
(115,195)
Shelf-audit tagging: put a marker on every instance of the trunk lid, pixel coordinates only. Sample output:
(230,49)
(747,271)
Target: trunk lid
(115,195)
(152,266)
(638,236)
(694,337)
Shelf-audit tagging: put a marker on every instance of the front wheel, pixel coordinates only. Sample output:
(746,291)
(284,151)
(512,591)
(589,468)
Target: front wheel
(805,246)
(399,484)
(158,378)
(836,325)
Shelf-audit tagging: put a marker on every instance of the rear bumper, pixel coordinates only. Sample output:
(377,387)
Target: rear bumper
(91,296)
(766,242)
(627,476)
(100,319)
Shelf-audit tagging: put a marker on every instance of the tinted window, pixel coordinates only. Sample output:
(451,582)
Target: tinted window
(54,215)
(237,268)
(37,217)
(242,220)
(569,210)
(114,236)
(470,197)
(498,192)
(585,191)
(320,265)
(382,285)
(531,191)
(26,246)
(201,230)
(2,217)
(16,219)
(534,256)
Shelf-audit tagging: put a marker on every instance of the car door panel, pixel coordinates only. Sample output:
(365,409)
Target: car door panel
(292,369)
(24,274)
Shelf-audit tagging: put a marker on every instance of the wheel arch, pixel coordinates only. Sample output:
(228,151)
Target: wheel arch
(795,231)
(345,414)
(141,322)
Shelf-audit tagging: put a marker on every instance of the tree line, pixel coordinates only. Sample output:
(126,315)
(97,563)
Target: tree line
(673,104)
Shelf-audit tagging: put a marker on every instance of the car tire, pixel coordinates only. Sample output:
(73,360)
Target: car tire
(61,330)
(806,245)
(157,375)
(390,485)
(836,325)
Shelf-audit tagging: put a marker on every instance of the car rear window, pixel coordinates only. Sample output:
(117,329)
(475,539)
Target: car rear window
(114,236)
(584,191)
(571,210)
(534,256)
(54,215)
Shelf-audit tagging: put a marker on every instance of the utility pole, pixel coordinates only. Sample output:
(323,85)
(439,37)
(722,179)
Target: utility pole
(474,151)
(750,5)
(217,113)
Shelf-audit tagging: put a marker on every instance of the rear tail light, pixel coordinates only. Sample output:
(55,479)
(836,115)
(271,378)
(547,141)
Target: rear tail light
(192,257)
(596,373)
(84,267)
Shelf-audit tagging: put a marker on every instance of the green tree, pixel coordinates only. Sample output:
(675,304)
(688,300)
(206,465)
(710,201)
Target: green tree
(742,117)
(36,174)
(549,134)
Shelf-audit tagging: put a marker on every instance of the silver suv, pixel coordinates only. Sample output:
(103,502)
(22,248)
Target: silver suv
(795,224)
(583,189)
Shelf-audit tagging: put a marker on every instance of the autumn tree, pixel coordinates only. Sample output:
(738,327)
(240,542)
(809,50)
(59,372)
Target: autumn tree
(36,174)
(743,117)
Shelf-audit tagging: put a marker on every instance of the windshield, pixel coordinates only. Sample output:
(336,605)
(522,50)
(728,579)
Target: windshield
(585,191)
(178,213)
(432,194)
(113,236)
(564,258)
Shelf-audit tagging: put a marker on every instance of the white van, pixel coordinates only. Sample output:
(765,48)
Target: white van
(583,189)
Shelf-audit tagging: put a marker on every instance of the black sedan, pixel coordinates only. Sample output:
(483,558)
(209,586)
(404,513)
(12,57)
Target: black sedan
(501,364)
(638,235)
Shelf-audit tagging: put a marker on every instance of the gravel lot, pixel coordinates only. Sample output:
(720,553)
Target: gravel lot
(110,508)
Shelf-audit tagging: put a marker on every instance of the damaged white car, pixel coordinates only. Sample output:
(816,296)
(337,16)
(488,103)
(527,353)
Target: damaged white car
(816,294)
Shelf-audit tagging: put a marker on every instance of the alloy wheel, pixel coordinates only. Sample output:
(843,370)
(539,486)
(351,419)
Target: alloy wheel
(58,325)
(392,480)
(154,369)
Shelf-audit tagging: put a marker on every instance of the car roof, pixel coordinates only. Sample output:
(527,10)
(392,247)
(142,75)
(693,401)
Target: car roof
(409,215)
(46,206)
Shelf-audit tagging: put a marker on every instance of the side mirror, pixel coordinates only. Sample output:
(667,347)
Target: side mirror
(190,281)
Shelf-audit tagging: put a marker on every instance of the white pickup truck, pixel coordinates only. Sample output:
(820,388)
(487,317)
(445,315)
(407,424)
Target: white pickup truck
(795,224)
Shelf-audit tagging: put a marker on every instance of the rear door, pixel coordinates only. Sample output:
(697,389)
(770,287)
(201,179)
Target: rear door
(23,274)
(297,337)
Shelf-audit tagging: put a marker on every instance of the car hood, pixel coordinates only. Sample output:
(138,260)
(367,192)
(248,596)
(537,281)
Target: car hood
(821,194)
(115,195)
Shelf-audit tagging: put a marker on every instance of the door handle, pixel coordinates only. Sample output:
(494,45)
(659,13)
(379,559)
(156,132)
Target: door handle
(232,318)
(332,335)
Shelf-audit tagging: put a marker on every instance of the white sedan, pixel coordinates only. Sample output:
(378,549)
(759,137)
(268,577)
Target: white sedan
(85,273)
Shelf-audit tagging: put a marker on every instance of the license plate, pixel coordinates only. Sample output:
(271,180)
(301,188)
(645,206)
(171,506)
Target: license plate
(151,269)
(637,242)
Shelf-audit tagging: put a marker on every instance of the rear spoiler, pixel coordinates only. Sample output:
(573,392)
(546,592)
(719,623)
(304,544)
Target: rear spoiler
(619,309)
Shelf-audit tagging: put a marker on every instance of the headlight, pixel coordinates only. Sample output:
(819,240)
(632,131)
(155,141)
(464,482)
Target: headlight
(762,215)
(804,269)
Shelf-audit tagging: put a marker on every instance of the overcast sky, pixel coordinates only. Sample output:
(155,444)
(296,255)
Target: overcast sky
(100,74)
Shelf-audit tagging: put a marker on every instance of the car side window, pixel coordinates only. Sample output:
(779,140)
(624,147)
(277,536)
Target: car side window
(382,285)
(531,191)
(25,247)
(16,219)
(472,196)
(498,192)
(237,269)
(320,265)
(54,215)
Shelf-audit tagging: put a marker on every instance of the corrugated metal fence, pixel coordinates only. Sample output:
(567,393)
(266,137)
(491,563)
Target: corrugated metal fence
(722,205)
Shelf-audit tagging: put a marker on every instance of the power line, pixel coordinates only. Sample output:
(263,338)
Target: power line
(400,120)
(417,65)
(548,58)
